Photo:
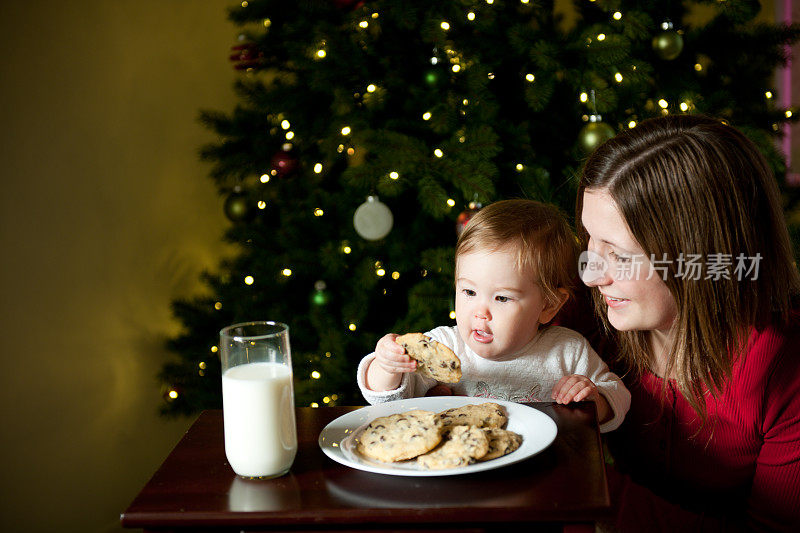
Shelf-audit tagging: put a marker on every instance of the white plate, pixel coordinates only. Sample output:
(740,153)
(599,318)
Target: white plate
(336,440)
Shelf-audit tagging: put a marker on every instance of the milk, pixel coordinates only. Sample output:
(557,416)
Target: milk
(258,406)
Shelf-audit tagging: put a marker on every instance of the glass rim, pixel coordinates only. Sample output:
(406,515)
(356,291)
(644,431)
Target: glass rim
(283,328)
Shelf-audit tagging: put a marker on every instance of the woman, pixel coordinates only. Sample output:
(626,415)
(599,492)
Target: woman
(699,291)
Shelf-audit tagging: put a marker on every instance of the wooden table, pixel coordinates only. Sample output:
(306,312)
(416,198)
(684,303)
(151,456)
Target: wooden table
(562,488)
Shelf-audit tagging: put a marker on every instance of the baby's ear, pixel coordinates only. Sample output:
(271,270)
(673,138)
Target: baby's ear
(552,306)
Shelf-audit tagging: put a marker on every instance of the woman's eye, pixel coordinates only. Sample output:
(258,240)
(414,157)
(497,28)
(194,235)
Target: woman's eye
(619,258)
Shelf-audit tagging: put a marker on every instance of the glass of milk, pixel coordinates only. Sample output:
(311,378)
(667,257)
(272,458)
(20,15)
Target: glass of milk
(258,398)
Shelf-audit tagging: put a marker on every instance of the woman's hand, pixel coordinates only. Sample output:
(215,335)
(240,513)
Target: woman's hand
(575,388)
(391,361)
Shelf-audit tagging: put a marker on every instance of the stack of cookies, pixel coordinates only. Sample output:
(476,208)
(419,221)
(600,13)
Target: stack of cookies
(455,437)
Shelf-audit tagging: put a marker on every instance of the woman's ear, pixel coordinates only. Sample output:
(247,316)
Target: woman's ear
(552,307)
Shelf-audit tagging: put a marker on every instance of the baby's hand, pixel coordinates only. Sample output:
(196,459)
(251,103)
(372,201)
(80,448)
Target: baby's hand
(391,357)
(574,388)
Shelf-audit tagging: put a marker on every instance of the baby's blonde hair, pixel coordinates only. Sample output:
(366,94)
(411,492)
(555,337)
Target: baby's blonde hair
(545,245)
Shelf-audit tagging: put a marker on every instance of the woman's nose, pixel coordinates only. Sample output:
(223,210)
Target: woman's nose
(594,269)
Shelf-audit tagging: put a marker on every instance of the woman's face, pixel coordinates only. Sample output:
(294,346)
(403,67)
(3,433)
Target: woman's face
(636,297)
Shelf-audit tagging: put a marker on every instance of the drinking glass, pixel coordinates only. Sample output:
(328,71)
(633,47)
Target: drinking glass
(258,398)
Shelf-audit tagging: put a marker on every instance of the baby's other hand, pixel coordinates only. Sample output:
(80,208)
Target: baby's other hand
(574,388)
(391,357)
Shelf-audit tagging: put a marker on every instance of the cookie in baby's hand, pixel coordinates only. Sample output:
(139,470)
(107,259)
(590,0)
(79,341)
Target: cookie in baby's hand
(463,446)
(401,436)
(483,415)
(434,359)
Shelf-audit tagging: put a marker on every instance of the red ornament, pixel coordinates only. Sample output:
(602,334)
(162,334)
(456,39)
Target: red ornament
(284,164)
(465,216)
(247,56)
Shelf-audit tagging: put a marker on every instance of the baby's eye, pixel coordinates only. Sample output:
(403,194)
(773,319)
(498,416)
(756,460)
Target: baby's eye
(502,299)
(468,292)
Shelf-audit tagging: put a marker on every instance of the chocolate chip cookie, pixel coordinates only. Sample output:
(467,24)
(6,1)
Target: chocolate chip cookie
(483,415)
(400,436)
(462,447)
(434,359)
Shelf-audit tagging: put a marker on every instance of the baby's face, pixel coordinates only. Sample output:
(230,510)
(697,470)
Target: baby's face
(497,306)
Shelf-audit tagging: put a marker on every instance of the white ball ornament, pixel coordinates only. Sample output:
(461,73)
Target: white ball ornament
(373,220)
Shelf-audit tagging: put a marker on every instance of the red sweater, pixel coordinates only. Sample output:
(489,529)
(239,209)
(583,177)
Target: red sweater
(745,459)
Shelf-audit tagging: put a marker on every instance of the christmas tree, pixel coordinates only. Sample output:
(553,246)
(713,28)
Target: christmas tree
(368,132)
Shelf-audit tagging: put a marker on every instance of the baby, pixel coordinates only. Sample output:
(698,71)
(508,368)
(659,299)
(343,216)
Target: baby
(516,263)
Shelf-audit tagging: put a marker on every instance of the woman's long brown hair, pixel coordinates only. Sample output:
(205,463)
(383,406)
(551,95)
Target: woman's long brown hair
(694,185)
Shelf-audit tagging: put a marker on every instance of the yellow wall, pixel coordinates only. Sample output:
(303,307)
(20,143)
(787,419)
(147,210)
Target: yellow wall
(106,215)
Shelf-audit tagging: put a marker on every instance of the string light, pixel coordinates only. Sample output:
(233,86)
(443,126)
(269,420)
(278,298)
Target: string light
(318,212)
(438,153)
(249,280)
(684,106)
(380,272)
(456,68)
(471,16)
(445,25)
(426,115)
(768,94)
(267,23)
(452,315)
(395,275)
(318,168)
(262,204)
(698,67)
(346,249)
(289,135)
(285,124)
(394,175)
(451,202)
(584,97)
(173,394)
(351,326)
(618,77)
(286,272)
(314,405)
(663,103)
(617,15)
(520,167)
(316,375)
(202,364)
(601,36)
(788,114)
(218,305)
(264,178)
(346,130)
(632,124)
(530,77)
(363,24)
(214,349)
(371,88)
(321,53)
